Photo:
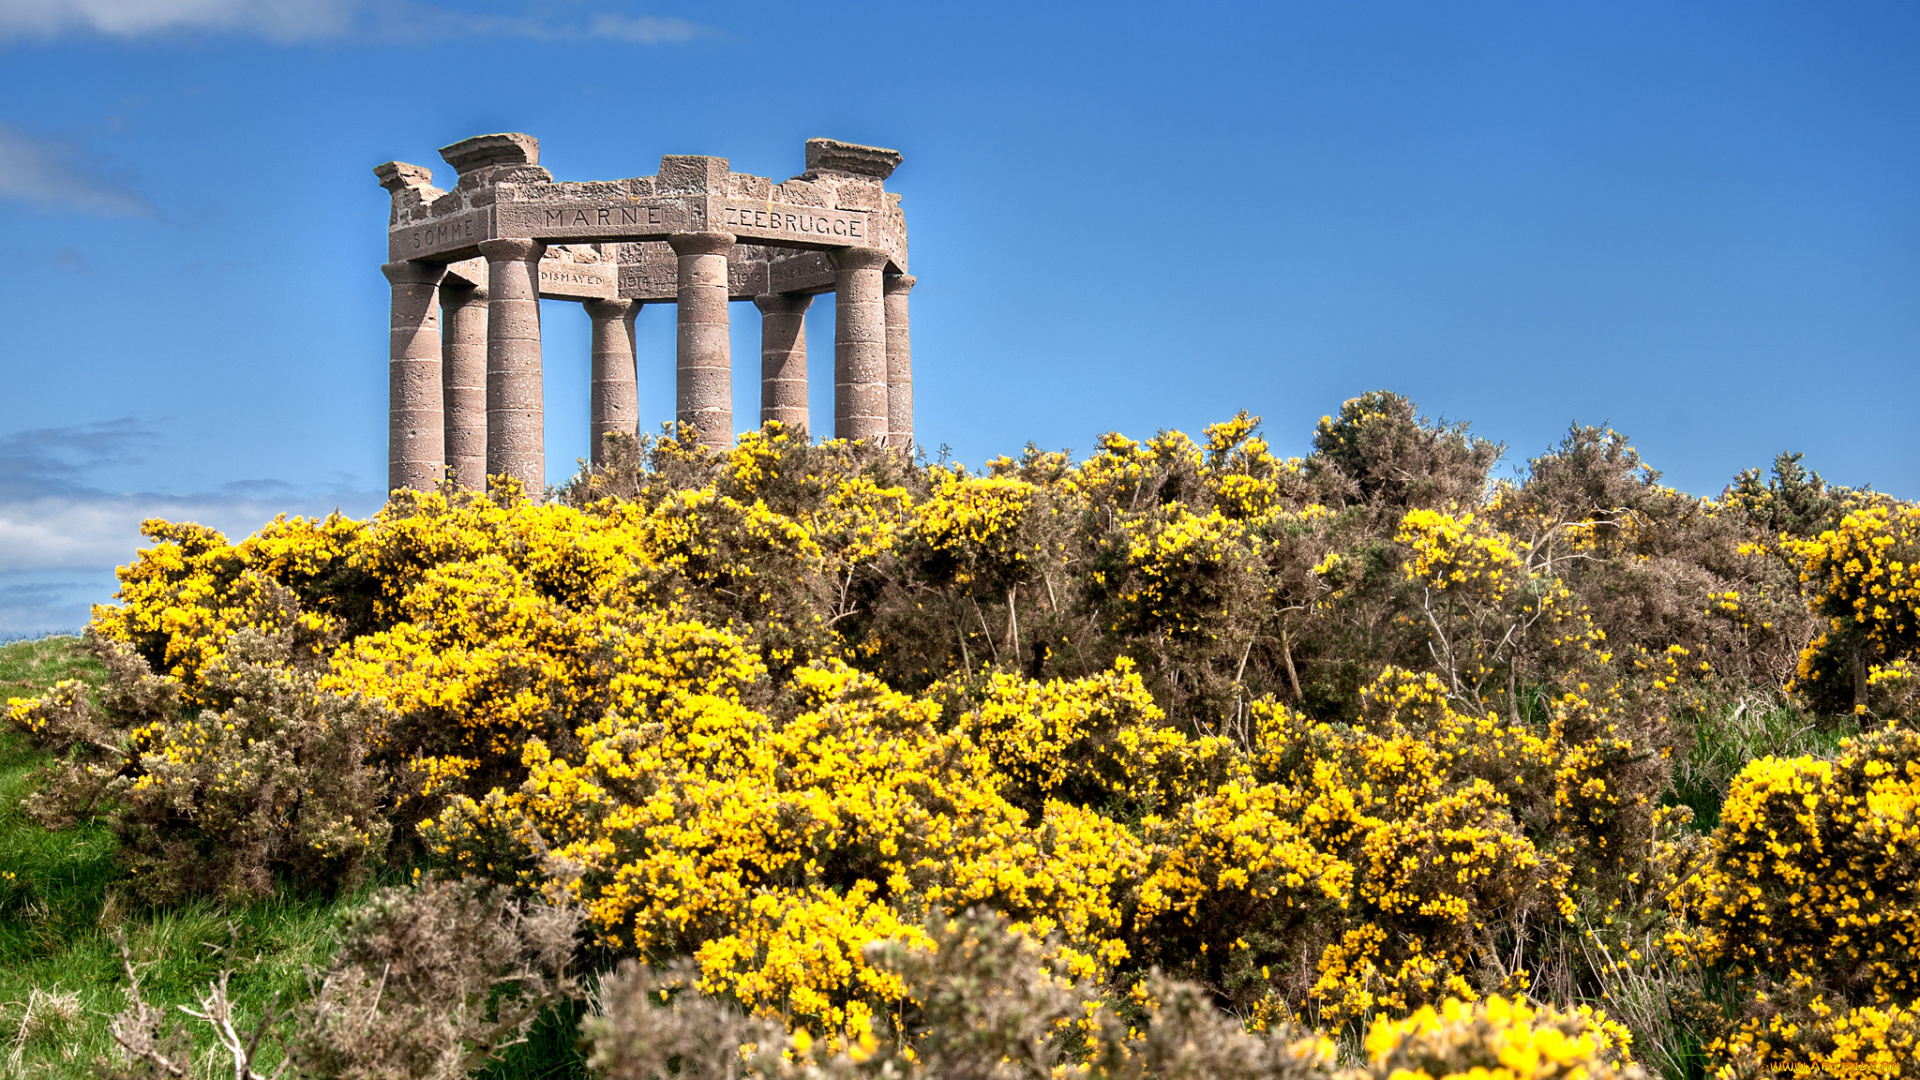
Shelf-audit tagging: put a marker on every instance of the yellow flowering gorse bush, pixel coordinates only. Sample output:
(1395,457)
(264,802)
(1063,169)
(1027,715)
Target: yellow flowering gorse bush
(1353,740)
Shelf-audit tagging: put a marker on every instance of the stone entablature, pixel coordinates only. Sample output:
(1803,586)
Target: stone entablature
(696,235)
(502,192)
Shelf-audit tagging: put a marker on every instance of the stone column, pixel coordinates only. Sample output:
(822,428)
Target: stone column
(899,363)
(516,420)
(463,374)
(416,447)
(859,346)
(615,404)
(783,358)
(705,362)
(633,346)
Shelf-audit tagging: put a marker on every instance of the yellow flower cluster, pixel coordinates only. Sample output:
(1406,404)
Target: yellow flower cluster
(1099,741)
(1867,571)
(1876,1042)
(1244,478)
(1812,869)
(1864,576)
(1459,553)
(668,706)
(773,848)
(1181,568)
(1807,898)
(972,528)
(1500,1039)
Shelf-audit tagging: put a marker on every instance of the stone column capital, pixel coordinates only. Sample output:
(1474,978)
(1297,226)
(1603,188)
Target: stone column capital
(414,273)
(782,303)
(898,284)
(604,310)
(701,243)
(858,258)
(510,249)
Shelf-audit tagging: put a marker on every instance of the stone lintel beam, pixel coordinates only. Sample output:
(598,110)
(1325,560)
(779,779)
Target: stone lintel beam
(809,272)
(568,279)
(466,272)
(650,272)
(783,359)
(859,346)
(899,362)
(503,192)
(704,358)
(614,402)
(416,448)
(516,421)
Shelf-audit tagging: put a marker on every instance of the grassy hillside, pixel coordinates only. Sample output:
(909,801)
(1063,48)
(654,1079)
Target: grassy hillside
(62,898)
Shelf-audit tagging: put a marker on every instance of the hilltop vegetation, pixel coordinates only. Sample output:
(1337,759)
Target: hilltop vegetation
(1340,761)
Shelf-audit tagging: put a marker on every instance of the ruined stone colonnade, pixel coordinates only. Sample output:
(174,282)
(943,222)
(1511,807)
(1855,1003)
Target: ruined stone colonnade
(469,268)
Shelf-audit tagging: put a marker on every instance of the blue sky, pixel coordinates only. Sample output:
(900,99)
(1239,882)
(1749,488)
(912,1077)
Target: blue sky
(1699,222)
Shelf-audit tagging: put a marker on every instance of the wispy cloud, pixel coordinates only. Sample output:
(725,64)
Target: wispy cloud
(62,533)
(32,605)
(63,258)
(60,174)
(646,29)
(98,530)
(280,20)
(54,517)
(44,462)
(394,21)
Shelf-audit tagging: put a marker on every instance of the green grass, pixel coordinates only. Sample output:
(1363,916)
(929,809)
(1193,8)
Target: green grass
(551,1052)
(28,667)
(62,897)
(1725,740)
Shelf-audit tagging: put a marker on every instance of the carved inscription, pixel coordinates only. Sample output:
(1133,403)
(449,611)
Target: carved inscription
(597,219)
(602,217)
(462,230)
(812,224)
(648,272)
(801,272)
(577,281)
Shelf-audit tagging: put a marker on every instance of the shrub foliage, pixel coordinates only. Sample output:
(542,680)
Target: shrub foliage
(1367,743)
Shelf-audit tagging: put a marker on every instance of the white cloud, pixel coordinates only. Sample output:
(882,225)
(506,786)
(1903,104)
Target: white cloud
(59,174)
(54,517)
(62,533)
(35,604)
(645,29)
(87,532)
(280,20)
(292,20)
(58,552)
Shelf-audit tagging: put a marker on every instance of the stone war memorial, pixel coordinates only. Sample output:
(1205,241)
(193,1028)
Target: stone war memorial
(470,266)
